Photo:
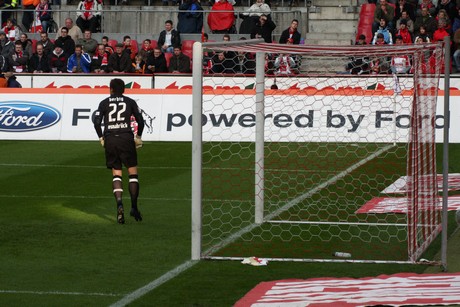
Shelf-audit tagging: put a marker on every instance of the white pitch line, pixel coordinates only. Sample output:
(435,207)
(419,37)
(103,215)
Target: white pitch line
(131,297)
(59,293)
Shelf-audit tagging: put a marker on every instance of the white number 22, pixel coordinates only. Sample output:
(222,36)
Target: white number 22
(115,113)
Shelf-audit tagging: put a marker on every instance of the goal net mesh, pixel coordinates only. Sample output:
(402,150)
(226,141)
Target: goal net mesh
(343,160)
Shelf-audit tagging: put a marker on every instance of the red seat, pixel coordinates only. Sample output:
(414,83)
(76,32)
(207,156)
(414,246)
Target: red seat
(188,53)
(154,43)
(112,43)
(367,31)
(134,46)
(168,57)
(34,45)
(187,44)
(367,8)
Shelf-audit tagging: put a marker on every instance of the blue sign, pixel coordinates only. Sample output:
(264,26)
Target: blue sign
(23,116)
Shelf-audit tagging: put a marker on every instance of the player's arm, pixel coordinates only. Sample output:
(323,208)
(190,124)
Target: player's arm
(98,124)
(137,112)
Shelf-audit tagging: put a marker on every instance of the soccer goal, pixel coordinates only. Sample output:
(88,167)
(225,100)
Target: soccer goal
(324,152)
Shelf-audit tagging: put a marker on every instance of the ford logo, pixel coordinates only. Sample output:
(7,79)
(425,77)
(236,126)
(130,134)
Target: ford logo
(22,116)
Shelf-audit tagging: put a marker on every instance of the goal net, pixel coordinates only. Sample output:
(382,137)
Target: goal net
(324,152)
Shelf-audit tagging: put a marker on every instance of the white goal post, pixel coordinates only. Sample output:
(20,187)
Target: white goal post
(305,157)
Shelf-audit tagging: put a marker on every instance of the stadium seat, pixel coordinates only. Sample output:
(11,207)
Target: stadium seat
(187,44)
(367,8)
(34,46)
(168,58)
(188,53)
(367,31)
(112,43)
(154,43)
(135,46)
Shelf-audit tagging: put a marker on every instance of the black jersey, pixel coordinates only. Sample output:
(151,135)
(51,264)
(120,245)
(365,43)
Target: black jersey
(116,112)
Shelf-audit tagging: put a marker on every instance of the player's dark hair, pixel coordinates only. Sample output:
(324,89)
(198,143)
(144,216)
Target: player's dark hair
(117,86)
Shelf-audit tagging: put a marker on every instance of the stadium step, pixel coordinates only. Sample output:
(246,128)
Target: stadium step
(333,39)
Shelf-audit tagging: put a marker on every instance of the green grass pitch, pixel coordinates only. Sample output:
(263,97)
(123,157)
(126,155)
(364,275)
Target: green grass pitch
(60,244)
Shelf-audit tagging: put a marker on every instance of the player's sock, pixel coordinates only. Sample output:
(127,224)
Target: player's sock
(117,186)
(134,189)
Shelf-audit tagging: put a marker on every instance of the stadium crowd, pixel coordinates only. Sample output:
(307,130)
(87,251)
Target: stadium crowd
(409,22)
(75,51)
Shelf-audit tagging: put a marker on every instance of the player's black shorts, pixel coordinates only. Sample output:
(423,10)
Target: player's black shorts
(120,149)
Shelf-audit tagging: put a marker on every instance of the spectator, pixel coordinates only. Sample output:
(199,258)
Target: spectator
(426,20)
(409,22)
(403,6)
(245,62)
(11,81)
(229,55)
(39,61)
(28,13)
(146,49)
(220,64)
(100,60)
(156,62)
(3,64)
(359,65)
(179,63)
(404,32)
(257,9)
(400,64)
(428,4)
(449,7)
(119,61)
(190,17)
(58,59)
(6,45)
(105,42)
(441,32)
(66,42)
(79,61)
(26,43)
(129,47)
(88,43)
(88,15)
(456,56)
(73,30)
(379,39)
(456,21)
(252,15)
(291,35)
(264,29)
(48,46)
(5,8)
(383,11)
(11,31)
(221,19)
(442,14)
(377,66)
(423,35)
(385,31)
(284,64)
(17,61)
(139,65)
(43,14)
(169,38)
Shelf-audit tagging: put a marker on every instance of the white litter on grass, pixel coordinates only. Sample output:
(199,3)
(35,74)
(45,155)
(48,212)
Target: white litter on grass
(254,261)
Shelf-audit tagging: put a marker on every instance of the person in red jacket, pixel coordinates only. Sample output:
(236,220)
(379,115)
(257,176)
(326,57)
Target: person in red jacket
(441,32)
(403,31)
(221,19)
